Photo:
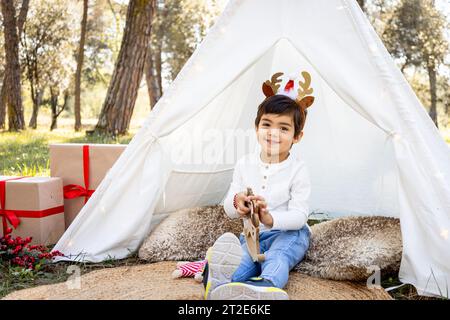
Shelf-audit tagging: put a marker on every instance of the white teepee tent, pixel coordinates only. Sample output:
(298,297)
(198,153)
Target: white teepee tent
(370,147)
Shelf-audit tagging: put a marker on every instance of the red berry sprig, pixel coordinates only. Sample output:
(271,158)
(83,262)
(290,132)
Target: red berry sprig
(17,251)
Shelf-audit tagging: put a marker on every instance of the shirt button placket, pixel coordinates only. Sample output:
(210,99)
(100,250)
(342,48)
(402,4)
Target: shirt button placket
(264,186)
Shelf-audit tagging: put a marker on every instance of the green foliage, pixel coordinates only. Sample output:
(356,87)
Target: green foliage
(415,33)
(16,278)
(178,27)
(420,83)
(106,20)
(48,44)
(411,29)
(12,279)
(23,154)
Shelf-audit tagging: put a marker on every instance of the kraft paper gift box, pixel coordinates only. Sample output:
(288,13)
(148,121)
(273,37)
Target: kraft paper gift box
(82,167)
(32,207)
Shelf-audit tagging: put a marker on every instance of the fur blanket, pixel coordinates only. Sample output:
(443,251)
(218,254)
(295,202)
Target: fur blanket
(349,248)
(187,234)
(353,248)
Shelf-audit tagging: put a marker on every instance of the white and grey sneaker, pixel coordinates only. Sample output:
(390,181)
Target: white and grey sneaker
(248,291)
(223,259)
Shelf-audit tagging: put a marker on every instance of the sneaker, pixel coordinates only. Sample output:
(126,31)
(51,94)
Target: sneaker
(254,289)
(223,259)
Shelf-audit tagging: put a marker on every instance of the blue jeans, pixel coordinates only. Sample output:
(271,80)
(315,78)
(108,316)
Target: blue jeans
(283,251)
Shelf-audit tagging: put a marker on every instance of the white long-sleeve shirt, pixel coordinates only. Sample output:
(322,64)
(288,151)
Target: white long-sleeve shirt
(285,186)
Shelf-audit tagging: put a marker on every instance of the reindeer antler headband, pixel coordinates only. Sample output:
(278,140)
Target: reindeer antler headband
(303,99)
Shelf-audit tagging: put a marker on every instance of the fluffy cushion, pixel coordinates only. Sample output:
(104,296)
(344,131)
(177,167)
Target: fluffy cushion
(340,249)
(344,248)
(187,234)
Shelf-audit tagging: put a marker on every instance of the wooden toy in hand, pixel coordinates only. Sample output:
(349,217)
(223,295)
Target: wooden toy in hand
(251,229)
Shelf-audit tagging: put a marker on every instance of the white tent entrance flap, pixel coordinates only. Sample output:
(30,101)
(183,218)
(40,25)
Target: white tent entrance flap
(370,147)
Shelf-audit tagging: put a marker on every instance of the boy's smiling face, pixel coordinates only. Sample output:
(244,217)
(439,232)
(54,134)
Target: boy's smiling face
(275,134)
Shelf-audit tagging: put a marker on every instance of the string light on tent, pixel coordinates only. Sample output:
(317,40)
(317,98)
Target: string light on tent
(394,135)
(384,94)
(164,198)
(397,136)
(198,67)
(444,233)
(373,48)
(439,175)
(102,205)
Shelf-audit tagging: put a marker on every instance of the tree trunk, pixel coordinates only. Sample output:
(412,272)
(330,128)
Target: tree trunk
(20,23)
(33,121)
(37,100)
(22,16)
(158,67)
(54,107)
(80,59)
(362,4)
(433,92)
(154,91)
(54,95)
(405,65)
(118,107)
(11,94)
(36,92)
(3,103)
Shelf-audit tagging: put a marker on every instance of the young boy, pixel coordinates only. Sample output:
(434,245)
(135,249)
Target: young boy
(282,187)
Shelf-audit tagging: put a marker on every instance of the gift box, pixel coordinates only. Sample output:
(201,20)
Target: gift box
(32,207)
(82,167)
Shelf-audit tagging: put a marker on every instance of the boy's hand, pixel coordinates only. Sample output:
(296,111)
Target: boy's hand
(264,216)
(241,203)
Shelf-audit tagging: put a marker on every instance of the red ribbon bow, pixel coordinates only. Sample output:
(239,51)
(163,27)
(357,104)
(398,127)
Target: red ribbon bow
(7,215)
(12,216)
(72,191)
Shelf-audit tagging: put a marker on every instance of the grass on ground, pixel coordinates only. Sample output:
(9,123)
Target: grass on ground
(12,279)
(27,152)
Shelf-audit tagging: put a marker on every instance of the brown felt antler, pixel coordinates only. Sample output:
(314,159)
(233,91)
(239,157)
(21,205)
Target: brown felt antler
(304,90)
(270,87)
